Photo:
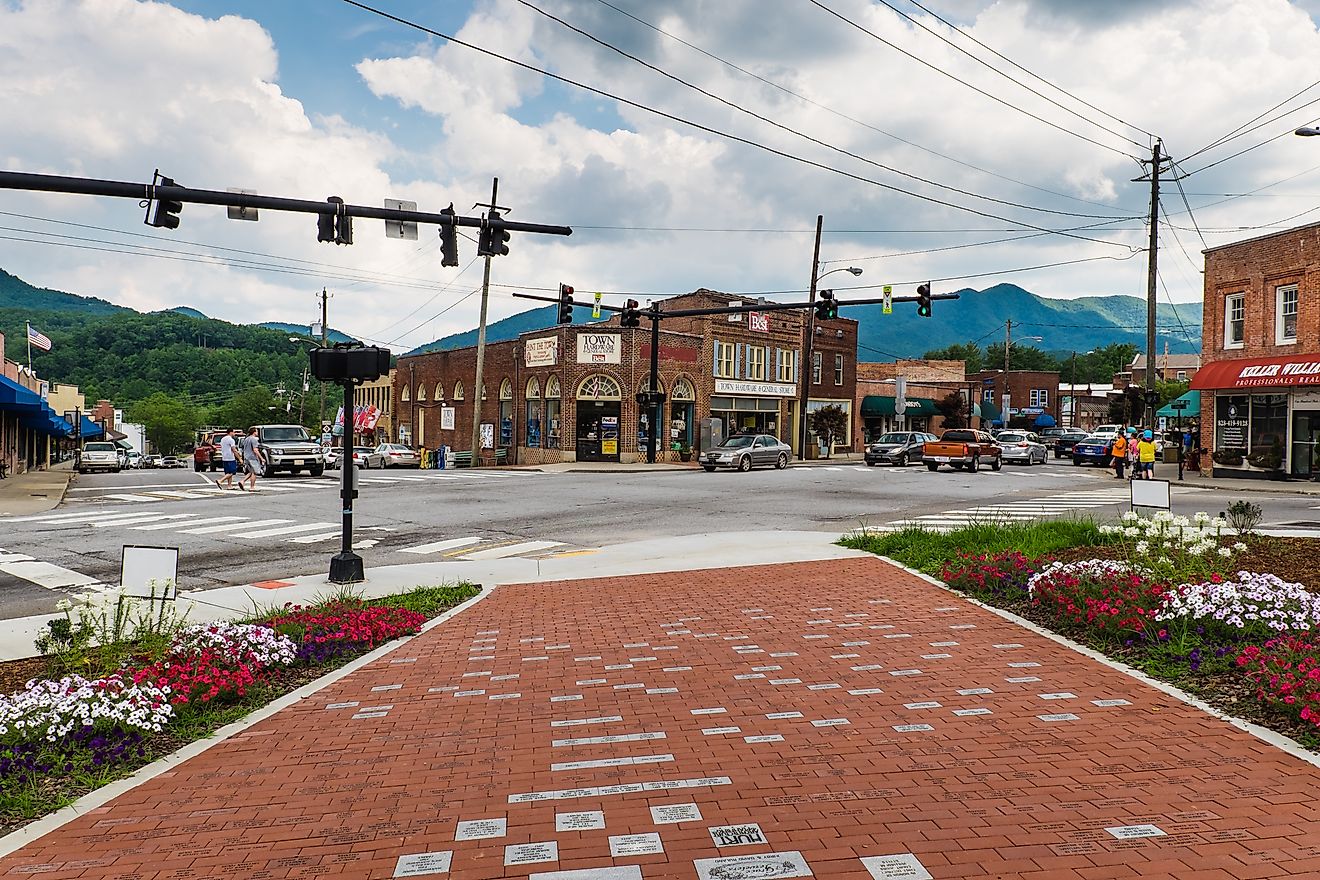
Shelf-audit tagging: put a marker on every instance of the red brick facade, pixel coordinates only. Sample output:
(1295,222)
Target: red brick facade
(1034,391)
(747,388)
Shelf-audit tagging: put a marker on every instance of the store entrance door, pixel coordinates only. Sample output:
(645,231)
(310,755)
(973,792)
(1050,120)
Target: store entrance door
(1306,445)
(598,430)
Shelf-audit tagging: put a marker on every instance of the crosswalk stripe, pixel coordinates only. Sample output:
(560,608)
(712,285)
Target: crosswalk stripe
(378,480)
(438,546)
(265,487)
(313,539)
(512,550)
(47,574)
(167,493)
(60,518)
(174,525)
(283,530)
(142,518)
(130,497)
(209,530)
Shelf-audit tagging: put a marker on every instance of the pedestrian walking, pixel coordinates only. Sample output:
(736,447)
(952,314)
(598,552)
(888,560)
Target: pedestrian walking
(1119,452)
(228,459)
(254,459)
(1133,435)
(1146,457)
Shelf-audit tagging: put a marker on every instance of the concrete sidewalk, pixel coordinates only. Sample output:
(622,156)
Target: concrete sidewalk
(837,719)
(35,491)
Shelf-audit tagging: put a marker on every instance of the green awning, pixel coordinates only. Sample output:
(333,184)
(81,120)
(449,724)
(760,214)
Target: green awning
(1187,407)
(990,411)
(877,406)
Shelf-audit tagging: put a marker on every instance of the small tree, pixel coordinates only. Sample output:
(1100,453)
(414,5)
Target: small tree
(828,423)
(954,409)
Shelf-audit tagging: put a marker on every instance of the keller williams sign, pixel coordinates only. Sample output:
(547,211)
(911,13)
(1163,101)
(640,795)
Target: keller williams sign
(1279,372)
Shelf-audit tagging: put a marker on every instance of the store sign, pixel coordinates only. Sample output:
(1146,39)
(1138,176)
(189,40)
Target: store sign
(598,348)
(543,352)
(1232,432)
(446,418)
(1300,372)
(757,389)
(758,322)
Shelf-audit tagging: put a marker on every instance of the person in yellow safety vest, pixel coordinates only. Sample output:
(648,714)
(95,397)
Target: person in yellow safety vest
(1120,454)
(1146,456)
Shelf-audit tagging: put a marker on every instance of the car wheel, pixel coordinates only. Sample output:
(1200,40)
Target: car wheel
(996,465)
(902,460)
(710,469)
(870,463)
(782,461)
(976,465)
(745,463)
(82,471)
(932,467)
(317,471)
(1077,462)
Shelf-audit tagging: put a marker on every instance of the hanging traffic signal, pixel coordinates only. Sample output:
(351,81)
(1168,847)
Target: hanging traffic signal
(166,214)
(631,317)
(827,307)
(923,300)
(493,242)
(334,226)
(565,304)
(448,240)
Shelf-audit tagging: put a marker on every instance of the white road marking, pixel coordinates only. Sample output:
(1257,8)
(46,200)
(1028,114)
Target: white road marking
(62,518)
(143,518)
(512,550)
(284,530)
(174,525)
(439,546)
(48,575)
(208,530)
(313,539)
(128,497)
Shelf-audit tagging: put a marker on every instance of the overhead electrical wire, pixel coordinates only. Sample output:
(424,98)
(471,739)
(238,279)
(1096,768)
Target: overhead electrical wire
(394,324)
(1287,133)
(841,115)
(733,105)
(1237,132)
(714,131)
(951,247)
(978,90)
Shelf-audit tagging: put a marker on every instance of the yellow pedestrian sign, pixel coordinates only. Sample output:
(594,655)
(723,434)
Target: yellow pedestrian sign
(888,307)
(595,309)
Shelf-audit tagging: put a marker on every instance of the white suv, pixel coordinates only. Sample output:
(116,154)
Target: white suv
(99,456)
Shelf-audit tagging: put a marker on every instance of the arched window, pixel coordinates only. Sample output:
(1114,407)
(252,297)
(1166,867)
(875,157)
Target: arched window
(458,390)
(683,390)
(439,391)
(552,387)
(404,396)
(506,390)
(550,429)
(533,389)
(421,394)
(599,387)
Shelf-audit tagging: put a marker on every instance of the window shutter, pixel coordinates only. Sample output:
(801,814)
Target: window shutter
(738,362)
(715,358)
(775,367)
(797,366)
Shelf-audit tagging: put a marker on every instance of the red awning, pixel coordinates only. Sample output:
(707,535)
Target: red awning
(1275,372)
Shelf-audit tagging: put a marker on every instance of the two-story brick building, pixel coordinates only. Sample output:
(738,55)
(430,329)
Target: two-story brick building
(569,392)
(1031,397)
(1260,359)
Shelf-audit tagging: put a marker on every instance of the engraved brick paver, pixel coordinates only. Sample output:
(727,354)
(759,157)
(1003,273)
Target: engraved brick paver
(1053,779)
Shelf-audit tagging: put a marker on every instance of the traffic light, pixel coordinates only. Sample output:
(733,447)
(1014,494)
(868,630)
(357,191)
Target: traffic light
(826,307)
(631,317)
(448,240)
(1152,397)
(565,304)
(493,242)
(166,214)
(923,301)
(334,226)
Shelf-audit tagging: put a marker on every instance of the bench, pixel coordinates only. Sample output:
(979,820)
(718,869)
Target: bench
(487,458)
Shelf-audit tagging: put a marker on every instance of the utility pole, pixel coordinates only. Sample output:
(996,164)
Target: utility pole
(808,335)
(324,337)
(1008,345)
(1152,266)
(1072,400)
(481,341)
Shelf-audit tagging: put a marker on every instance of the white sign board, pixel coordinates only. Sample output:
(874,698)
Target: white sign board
(1150,493)
(487,435)
(150,572)
(598,348)
(542,352)
(446,418)
(758,321)
(758,389)
(404,229)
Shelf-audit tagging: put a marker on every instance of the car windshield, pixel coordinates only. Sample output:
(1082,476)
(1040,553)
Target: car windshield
(293,432)
(960,436)
(1006,437)
(99,447)
(893,438)
(739,442)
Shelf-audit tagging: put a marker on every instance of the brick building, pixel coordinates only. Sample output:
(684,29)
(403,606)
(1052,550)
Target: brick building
(1030,397)
(928,382)
(569,392)
(1260,354)
(1168,368)
(378,393)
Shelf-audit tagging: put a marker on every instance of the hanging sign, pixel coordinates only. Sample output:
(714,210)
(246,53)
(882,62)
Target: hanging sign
(888,307)
(595,308)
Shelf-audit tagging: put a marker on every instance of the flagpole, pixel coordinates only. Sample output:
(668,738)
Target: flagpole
(29,342)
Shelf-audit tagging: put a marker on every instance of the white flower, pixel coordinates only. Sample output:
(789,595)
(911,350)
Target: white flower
(1225,552)
(1239,547)
(1143,547)
(63,605)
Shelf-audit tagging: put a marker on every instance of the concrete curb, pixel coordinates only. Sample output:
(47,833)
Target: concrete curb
(19,838)
(1264,734)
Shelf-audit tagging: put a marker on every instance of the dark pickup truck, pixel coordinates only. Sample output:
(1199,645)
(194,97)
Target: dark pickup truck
(962,449)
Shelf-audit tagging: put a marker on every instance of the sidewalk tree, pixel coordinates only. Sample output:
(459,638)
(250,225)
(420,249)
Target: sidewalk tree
(168,421)
(828,423)
(251,406)
(953,406)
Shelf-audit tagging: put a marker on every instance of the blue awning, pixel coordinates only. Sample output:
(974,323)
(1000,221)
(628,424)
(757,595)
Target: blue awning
(1044,420)
(91,429)
(14,396)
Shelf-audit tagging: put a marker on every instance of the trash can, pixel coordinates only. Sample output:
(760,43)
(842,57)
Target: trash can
(1172,454)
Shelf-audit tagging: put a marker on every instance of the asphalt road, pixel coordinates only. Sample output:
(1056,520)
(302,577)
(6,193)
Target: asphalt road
(291,525)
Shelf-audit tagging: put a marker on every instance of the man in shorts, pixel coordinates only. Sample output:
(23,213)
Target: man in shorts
(254,459)
(229,459)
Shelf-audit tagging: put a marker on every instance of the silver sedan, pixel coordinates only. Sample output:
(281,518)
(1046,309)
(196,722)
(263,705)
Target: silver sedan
(745,451)
(1022,447)
(398,455)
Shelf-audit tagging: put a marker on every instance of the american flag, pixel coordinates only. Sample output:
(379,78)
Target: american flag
(40,340)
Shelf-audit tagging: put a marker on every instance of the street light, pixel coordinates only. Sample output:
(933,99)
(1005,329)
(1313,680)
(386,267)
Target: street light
(808,339)
(1307,131)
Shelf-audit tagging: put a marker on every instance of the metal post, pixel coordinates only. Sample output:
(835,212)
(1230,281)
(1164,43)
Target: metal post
(481,343)
(1151,275)
(809,330)
(657,404)
(324,337)
(346,566)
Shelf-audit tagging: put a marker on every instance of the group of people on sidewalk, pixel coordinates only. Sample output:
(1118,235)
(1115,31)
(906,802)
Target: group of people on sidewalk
(236,450)
(1137,449)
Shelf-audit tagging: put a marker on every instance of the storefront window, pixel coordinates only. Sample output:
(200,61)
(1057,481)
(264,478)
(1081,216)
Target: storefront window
(1269,430)
(1231,421)
(552,413)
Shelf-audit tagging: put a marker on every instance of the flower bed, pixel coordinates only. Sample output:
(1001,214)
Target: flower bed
(63,736)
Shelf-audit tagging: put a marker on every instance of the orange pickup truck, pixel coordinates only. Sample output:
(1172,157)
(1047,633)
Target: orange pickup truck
(962,449)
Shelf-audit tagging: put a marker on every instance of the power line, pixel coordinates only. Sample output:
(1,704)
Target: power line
(951,247)
(1237,132)
(1278,136)
(873,35)
(393,324)
(578,227)
(711,130)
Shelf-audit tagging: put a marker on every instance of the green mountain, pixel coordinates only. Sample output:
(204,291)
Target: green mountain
(331,335)
(1063,325)
(15,293)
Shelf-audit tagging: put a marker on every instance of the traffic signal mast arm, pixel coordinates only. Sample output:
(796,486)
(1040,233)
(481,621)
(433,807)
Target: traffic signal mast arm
(145,191)
(733,310)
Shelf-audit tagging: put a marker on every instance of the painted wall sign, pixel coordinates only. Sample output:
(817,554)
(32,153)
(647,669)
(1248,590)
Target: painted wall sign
(541,352)
(756,389)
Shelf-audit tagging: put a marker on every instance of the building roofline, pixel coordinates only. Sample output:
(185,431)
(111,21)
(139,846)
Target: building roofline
(1266,237)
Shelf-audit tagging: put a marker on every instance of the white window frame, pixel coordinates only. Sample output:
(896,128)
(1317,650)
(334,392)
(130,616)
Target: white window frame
(1182,375)
(1040,397)
(726,359)
(838,369)
(787,361)
(816,360)
(756,358)
(1240,301)
(1281,295)
(988,394)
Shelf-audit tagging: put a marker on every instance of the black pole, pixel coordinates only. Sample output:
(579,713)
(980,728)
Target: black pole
(655,400)
(346,566)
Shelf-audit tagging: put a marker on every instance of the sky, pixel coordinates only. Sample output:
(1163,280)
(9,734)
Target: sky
(689,143)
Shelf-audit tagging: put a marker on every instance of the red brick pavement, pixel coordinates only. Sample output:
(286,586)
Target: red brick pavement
(467,721)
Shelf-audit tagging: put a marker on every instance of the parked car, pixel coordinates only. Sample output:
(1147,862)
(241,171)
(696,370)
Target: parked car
(1064,443)
(134,458)
(1047,436)
(152,461)
(99,456)
(745,451)
(290,448)
(1022,447)
(332,456)
(173,461)
(1110,431)
(367,458)
(896,447)
(398,455)
(1093,450)
(962,448)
